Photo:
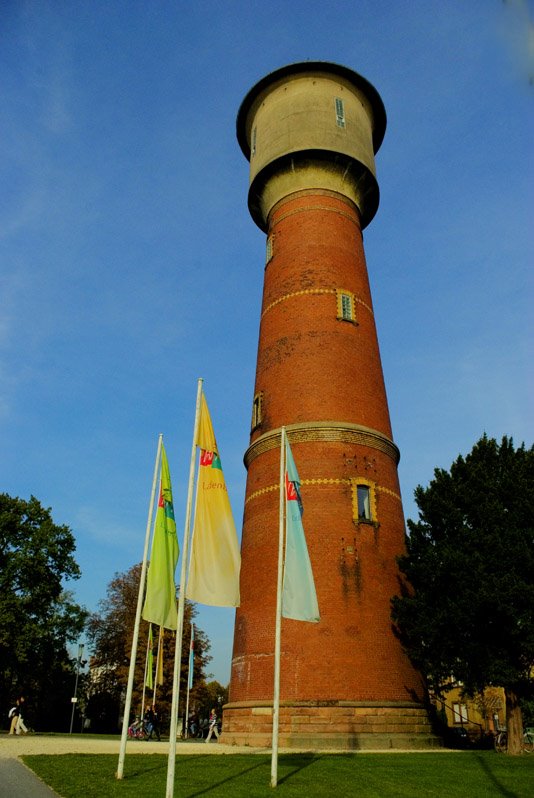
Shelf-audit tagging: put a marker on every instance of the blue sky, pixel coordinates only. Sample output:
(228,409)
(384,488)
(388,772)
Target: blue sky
(130,266)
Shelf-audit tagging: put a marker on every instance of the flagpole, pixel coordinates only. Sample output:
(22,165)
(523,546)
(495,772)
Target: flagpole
(278,628)
(189,676)
(133,654)
(181,606)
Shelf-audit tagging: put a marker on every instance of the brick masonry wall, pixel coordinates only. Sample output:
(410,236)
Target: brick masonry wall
(314,368)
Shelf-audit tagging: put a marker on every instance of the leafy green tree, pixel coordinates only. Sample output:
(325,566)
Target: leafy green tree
(470,564)
(110,632)
(38,618)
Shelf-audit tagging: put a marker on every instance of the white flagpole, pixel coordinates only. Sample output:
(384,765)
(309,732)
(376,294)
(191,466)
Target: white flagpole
(133,654)
(181,606)
(278,628)
(188,686)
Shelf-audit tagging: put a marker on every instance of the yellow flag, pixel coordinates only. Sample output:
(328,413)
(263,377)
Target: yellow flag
(160,600)
(215,559)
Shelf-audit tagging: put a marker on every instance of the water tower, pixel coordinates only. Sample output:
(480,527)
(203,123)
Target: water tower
(310,132)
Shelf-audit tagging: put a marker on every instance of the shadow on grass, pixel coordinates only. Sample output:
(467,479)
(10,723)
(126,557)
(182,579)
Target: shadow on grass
(297,763)
(501,789)
(228,780)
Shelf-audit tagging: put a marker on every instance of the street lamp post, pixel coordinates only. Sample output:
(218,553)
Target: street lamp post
(74,699)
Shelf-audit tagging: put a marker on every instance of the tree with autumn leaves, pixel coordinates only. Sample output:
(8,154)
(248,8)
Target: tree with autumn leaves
(110,632)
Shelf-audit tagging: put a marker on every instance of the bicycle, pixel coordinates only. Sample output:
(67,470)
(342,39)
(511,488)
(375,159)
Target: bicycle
(138,730)
(501,741)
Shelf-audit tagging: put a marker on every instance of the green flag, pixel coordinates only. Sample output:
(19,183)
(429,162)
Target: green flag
(299,599)
(149,681)
(160,600)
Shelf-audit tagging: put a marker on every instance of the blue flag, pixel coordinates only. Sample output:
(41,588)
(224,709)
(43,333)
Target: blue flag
(191,656)
(299,599)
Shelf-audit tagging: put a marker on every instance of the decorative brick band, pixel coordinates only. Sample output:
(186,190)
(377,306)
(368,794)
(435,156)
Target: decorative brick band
(324,432)
(298,293)
(272,488)
(313,291)
(331,702)
(307,208)
(389,492)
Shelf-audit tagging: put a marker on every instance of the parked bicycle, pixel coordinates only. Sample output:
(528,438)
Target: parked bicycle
(501,741)
(138,730)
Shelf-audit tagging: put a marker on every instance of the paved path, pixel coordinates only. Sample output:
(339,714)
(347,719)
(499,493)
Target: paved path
(13,746)
(17,781)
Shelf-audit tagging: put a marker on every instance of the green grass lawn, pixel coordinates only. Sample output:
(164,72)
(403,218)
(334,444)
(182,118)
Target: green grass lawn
(469,774)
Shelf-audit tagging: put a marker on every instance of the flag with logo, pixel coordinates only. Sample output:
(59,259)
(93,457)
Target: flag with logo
(215,558)
(299,599)
(160,600)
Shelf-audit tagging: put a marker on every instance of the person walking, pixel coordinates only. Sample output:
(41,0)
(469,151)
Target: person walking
(151,716)
(14,717)
(17,721)
(21,726)
(212,725)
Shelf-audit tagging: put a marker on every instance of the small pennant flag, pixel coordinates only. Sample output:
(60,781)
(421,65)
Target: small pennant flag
(299,599)
(191,656)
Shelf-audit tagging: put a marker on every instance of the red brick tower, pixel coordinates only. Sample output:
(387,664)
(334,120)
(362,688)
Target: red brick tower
(310,132)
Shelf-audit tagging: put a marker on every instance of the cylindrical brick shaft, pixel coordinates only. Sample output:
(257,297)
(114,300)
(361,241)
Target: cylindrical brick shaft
(310,131)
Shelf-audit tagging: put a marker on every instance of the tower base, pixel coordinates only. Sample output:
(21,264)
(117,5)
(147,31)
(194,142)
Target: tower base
(329,725)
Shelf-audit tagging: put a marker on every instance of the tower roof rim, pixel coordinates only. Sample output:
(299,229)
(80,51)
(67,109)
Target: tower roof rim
(353,77)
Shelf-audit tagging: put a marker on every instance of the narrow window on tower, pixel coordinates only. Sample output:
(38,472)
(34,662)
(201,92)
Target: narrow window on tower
(345,305)
(340,112)
(257,408)
(269,248)
(363,501)
(253,143)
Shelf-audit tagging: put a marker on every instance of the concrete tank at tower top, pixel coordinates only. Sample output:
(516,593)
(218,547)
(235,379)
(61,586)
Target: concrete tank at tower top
(311,132)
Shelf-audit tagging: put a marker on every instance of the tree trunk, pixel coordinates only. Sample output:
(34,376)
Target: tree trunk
(514,724)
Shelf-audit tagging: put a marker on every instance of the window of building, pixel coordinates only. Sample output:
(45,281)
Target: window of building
(459,713)
(269,248)
(253,143)
(257,408)
(363,501)
(340,112)
(345,305)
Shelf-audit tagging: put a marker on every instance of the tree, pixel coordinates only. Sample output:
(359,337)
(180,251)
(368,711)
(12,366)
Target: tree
(110,632)
(470,564)
(208,696)
(38,618)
